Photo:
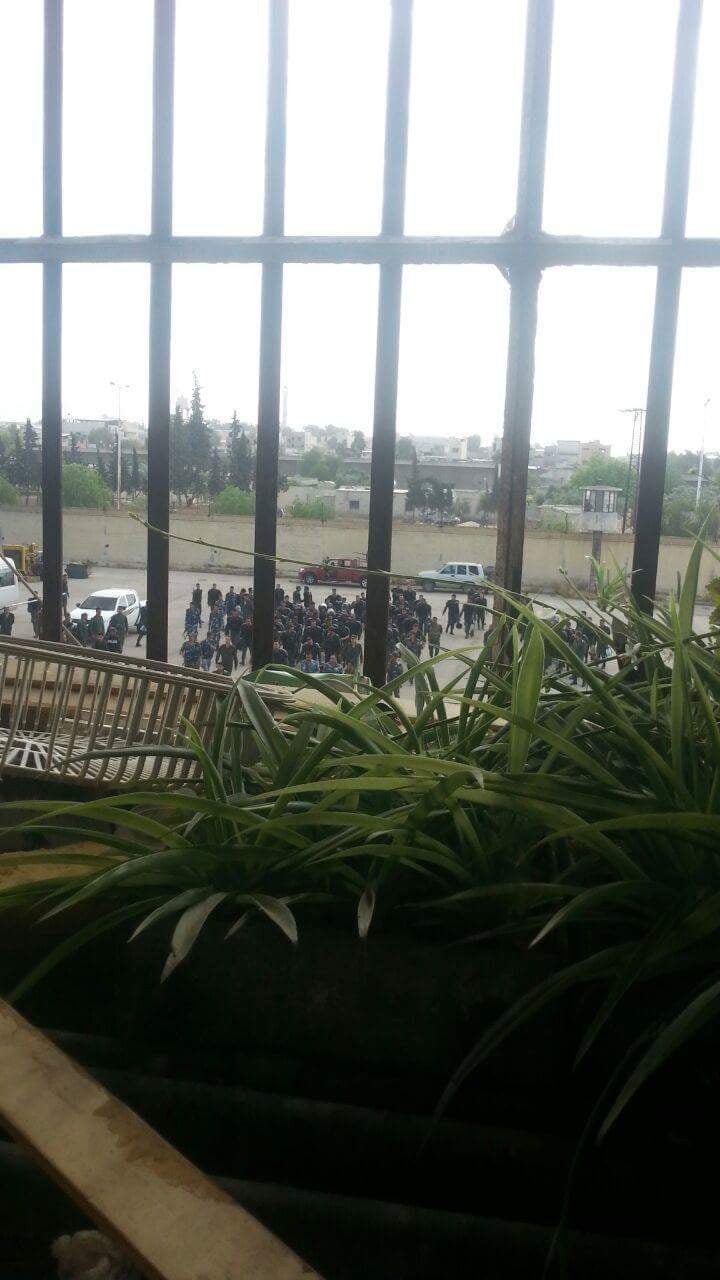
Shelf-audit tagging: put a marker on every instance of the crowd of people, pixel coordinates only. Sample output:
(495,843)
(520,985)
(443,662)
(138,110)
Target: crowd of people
(318,637)
(321,637)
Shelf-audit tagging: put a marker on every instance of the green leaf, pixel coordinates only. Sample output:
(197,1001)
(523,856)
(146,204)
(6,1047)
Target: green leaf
(279,912)
(187,931)
(703,1009)
(526,691)
(366,907)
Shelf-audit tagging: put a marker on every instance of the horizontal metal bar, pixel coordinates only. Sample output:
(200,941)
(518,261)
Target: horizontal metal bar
(534,252)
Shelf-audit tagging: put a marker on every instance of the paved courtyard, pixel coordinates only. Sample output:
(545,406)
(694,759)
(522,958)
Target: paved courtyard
(182,582)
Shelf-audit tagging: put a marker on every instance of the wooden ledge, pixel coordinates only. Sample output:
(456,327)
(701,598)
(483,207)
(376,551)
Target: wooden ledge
(171,1220)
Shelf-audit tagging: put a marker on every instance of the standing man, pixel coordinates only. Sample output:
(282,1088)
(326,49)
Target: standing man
(192,618)
(34,608)
(452,609)
(96,629)
(214,626)
(227,656)
(7,619)
(191,652)
(196,600)
(214,595)
(468,616)
(141,623)
(246,638)
(120,623)
(207,652)
(81,630)
(434,636)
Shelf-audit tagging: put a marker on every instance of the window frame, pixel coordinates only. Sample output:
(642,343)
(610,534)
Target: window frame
(523,252)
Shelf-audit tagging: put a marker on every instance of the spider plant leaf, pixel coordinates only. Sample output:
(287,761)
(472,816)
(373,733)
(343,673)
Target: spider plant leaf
(526,691)
(75,940)
(279,912)
(185,899)
(187,930)
(366,907)
(675,1035)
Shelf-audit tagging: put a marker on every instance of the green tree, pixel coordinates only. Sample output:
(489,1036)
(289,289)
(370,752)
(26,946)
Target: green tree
(313,509)
(317,463)
(30,461)
(358,443)
(8,493)
(216,473)
(404,448)
(102,467)
(240,457)
(232,501)
(14,463)
(415,492)
(612,472)
(137,480)
(74,451)
(199,442)
(83,487)
(101,436)
(190,446)
(474,445)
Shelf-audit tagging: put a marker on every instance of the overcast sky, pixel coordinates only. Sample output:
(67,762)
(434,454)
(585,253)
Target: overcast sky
(611,76)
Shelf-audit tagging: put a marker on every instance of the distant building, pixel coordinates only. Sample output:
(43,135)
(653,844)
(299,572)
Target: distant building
(354,500)
(313,438)
(598,512)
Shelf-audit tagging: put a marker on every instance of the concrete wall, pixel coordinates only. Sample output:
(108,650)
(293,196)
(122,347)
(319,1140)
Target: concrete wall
(115,539)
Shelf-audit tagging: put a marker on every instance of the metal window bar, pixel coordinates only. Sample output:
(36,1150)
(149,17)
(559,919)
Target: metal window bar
(382,465)
(651,482)
(524,285)
(51,459)
(158,549)
(268,432)
(523,253)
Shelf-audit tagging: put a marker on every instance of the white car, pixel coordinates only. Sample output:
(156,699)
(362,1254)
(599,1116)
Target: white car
(457,575)
(107,600)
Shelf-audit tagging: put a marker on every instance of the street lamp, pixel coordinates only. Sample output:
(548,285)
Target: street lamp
(119,387)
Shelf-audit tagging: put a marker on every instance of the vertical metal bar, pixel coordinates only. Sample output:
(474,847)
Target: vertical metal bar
(524,285)
(158,554)
(515,456)
(382,466)
(268,432)
(51,458)
(651,483)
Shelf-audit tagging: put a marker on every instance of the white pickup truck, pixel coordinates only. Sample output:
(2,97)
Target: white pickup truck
(457,575)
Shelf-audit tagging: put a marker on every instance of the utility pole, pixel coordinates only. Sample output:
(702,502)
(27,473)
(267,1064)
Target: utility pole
(119,387)
(701,458)
(638,419)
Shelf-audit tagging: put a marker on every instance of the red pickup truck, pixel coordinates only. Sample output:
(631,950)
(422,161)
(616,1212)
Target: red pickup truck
(338,569)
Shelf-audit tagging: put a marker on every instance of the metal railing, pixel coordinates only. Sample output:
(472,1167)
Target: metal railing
(61,705)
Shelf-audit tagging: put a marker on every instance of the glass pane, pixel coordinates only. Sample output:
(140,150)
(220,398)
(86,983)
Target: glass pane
(704,202)
(593,348)
(216,336)
(21,108)
(609,107)
(329,325)
(20,344)
(336,115)
(105,348)
(453,350)
(220,91)
(107,116)
(695,414)
(466,95)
